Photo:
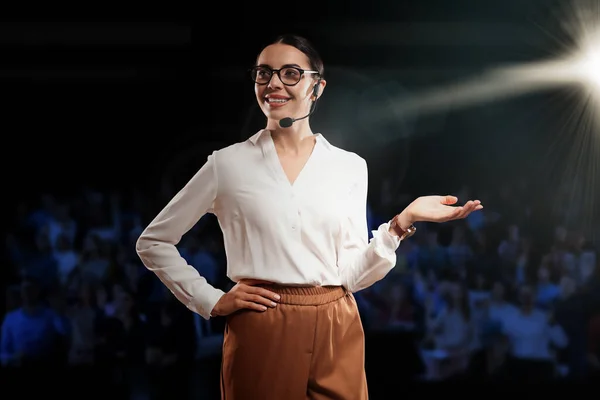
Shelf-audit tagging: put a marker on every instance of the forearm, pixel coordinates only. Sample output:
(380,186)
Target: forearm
(362,263)
(183,280)
(364,267)
(379,257)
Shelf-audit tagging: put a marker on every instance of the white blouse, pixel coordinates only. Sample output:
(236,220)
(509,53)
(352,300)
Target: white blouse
(312,232)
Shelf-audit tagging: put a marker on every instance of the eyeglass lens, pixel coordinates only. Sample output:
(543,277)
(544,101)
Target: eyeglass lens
(288,75)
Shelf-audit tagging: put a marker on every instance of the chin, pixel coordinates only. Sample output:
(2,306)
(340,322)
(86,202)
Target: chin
(275,114)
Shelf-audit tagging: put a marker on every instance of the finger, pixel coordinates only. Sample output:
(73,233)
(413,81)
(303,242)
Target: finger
(461,212)
(470,206)
(475,206)
(255,298)
(468,210)
(253,282)
(252,306)
(454,214)
(449,200)
(262,292)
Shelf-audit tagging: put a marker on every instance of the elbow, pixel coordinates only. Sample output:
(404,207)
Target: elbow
(154,248)
(350,284)
(350,288)
(142,244)
(143,247)
(355,284)
(148,239)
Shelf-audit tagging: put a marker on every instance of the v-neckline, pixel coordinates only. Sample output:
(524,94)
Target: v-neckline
(279,166)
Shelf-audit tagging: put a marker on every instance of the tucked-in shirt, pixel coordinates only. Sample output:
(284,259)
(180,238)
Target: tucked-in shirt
(312,232)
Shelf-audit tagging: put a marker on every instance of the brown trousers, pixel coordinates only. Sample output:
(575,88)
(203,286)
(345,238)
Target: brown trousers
(310,346)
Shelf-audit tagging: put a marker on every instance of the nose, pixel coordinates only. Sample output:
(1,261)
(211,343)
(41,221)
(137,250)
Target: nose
(275,82)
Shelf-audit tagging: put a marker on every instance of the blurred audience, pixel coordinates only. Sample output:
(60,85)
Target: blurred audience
(485,299)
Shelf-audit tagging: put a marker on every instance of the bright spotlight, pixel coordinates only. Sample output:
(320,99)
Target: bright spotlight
(583,25)
(589,65)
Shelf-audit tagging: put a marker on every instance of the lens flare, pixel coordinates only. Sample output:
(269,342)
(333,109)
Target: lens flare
(588,66)
(573,161)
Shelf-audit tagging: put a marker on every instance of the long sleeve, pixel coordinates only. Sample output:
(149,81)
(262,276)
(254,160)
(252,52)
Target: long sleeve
(156,246)
(362,263)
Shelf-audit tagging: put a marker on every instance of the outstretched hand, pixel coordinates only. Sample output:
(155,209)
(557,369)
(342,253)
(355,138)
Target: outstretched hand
(438,209)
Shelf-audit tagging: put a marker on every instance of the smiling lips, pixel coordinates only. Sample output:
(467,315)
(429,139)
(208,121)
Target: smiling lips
(276,101)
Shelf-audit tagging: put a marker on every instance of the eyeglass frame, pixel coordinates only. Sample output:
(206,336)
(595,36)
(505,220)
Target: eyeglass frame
(276,71)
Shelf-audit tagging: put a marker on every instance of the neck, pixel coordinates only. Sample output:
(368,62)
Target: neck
(290,139)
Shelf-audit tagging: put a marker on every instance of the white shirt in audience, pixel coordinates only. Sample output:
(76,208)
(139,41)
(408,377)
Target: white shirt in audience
(454,330)
(530,335)
(501,311)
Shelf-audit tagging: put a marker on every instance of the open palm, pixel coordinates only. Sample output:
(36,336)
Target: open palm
(440,209)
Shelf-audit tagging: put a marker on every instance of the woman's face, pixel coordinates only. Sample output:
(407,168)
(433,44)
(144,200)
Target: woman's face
(276,100)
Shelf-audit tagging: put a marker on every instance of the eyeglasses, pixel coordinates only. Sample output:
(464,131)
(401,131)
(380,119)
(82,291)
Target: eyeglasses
(289,76)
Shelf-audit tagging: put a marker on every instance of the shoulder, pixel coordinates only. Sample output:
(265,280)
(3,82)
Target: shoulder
(247,147)
(229,157)
(348,159)
(235,149)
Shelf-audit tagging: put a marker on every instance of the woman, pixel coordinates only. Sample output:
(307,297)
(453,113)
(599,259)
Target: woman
(292,209)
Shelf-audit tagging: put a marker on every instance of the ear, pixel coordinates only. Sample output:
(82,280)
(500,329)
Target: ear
(318,89)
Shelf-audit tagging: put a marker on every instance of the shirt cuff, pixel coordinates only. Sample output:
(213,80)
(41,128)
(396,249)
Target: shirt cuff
(386,242)
(204,305)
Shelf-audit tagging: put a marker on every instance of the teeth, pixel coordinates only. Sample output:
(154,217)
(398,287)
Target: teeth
(270,100)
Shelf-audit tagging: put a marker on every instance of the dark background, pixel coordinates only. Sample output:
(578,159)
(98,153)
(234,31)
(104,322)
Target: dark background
(110,95)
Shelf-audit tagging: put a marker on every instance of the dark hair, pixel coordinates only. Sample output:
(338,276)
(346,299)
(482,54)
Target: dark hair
(306,47)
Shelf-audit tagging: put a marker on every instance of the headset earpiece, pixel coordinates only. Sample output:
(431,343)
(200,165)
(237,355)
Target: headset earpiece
(316,89)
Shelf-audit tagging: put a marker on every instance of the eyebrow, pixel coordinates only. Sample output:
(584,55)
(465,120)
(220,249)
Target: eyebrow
(283,66)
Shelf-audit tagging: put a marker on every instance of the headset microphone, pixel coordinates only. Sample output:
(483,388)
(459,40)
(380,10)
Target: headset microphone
(287,122)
